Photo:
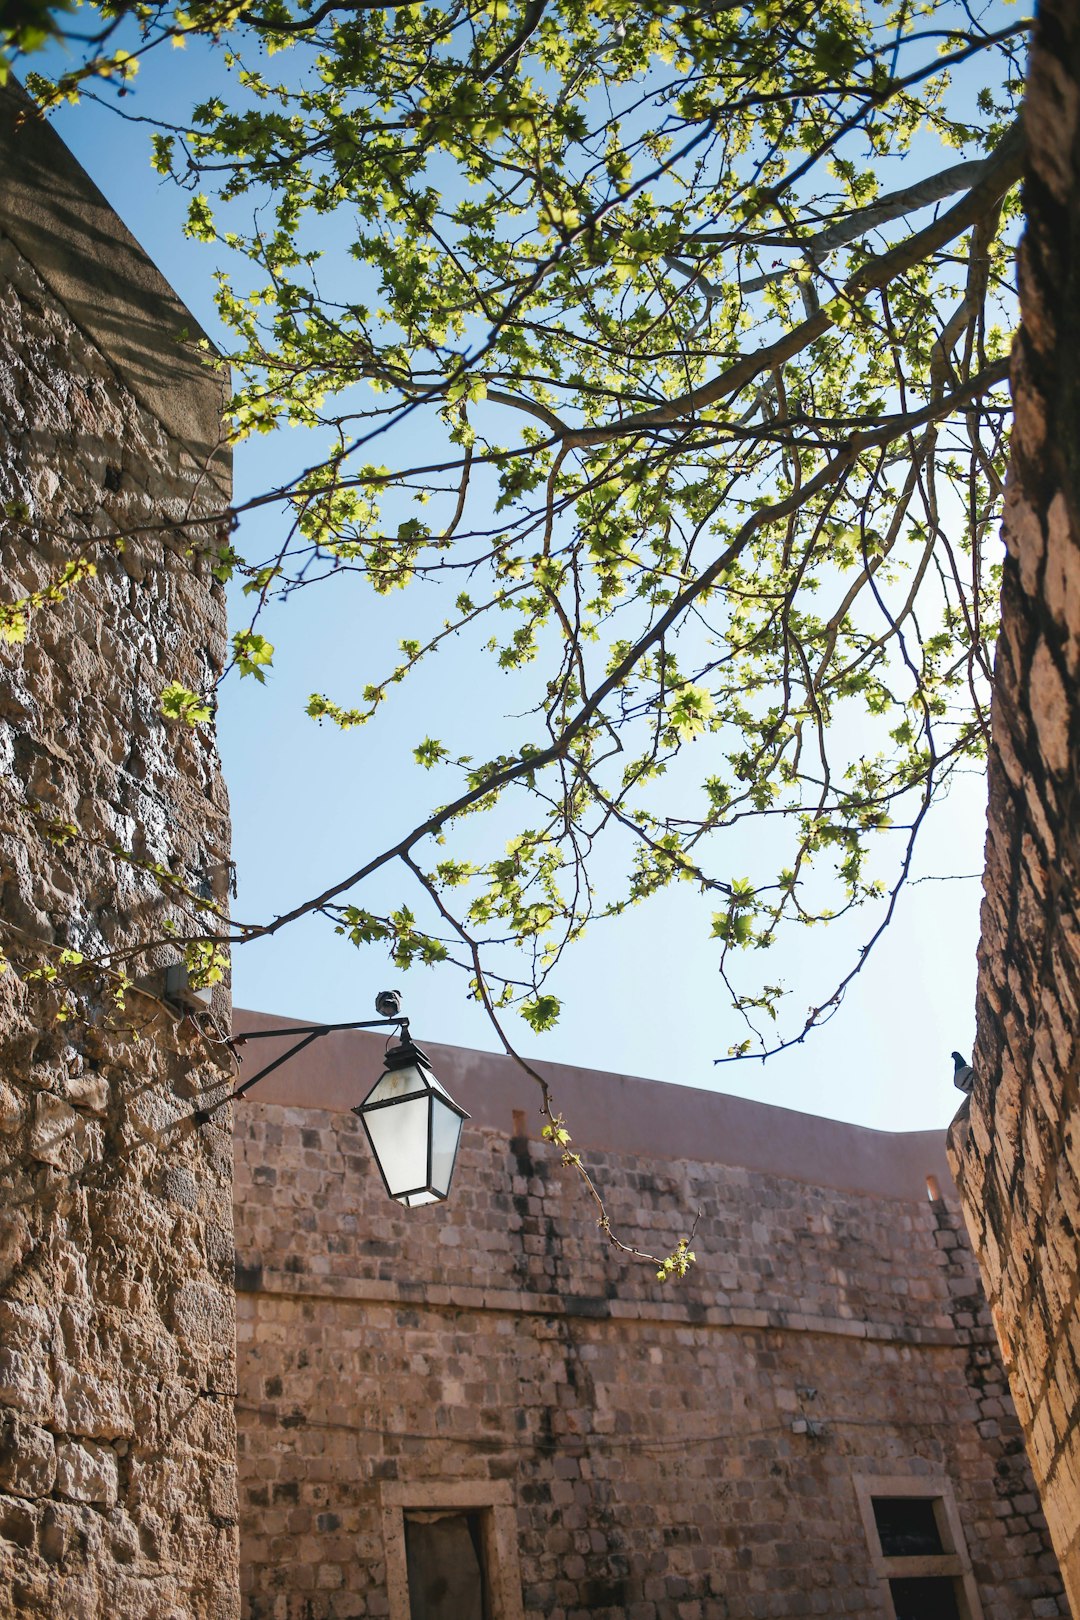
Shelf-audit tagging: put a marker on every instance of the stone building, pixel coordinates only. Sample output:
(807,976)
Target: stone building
(117,1447)
(479,1398)
(1017,1158)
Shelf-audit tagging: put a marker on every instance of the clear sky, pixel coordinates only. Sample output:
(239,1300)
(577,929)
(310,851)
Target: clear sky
(641,994)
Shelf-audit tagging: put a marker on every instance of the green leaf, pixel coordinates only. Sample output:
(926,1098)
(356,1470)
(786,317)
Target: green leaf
(252,653)
(542,1013)
(178,703)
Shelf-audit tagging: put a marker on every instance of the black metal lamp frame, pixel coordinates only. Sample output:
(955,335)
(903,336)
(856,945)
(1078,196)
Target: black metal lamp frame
(309,1032)
(402,1057)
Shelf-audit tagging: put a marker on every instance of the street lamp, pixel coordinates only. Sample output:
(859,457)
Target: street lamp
(412,1123)
(413,1126)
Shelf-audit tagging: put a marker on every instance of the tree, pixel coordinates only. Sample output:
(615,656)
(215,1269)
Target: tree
(712,392)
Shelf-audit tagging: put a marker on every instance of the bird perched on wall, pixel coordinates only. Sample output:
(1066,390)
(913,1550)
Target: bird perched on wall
(963,1073)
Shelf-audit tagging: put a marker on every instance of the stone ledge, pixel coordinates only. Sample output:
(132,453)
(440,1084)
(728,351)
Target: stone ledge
(441,1296)
(623,1116)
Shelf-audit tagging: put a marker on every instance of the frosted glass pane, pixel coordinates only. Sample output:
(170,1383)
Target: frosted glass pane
(416,1199)
(397,1083)
(398,1138)
(445,1133)
(436,1084)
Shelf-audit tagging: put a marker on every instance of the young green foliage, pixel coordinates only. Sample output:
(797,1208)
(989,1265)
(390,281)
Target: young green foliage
(700,315)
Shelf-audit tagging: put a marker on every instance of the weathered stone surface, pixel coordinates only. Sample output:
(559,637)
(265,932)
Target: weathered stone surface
(53,1137)
(12,1108)
(25,1383)
(27,1457)
(673,1452)
(89,1092)
(112,1501)
(1012,1149)
(86,1472)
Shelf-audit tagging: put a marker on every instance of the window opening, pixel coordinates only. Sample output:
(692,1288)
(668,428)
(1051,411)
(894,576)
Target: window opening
(917,1547)
(907,1526)
(451,1549)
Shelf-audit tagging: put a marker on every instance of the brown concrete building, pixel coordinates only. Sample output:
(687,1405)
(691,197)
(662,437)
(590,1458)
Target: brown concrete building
(814,1422)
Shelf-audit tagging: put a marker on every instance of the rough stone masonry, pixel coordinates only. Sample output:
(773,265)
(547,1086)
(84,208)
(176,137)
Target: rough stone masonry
(1017,1155)
(624,1449)
(117,1448)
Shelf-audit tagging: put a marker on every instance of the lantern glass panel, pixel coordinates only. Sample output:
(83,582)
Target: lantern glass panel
(445,1135)
(397,1083)
(399,1139)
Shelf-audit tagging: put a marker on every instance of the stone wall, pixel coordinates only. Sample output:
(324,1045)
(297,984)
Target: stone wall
(117,1442)
(701,1450)
(1017,1157)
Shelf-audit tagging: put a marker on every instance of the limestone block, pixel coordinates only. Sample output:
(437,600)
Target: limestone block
(123,1537)
(92,1401)
(27,1457)
(18,1523)
(1050,708)
(16,1241)
(177,1186)
(89,1092)
(200,1314)
(25,1383)
(86,1472)
(153,1115)
(52,1134)
(1062,583)
(12,1108)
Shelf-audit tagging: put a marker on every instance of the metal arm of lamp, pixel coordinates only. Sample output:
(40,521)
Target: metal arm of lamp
(310,1032)
(413,1125)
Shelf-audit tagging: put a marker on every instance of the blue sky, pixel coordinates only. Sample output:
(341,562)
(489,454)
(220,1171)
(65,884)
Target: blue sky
(641,994)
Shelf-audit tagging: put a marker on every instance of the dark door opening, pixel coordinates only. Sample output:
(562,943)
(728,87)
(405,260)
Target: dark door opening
(925,1597)
(444,1556)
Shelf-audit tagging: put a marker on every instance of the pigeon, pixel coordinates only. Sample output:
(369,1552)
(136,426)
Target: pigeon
(963,1073)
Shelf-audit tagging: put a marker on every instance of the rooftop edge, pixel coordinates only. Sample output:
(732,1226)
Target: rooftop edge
(615,1113)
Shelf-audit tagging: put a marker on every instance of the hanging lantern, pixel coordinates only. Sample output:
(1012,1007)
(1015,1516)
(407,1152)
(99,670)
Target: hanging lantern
(413,1126)
(411,1121)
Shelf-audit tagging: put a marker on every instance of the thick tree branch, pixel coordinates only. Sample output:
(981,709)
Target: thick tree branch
(909,200)
(1003,171)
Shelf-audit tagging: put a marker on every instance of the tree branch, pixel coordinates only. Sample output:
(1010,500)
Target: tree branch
(1002,172)
(529,764)
(909,200)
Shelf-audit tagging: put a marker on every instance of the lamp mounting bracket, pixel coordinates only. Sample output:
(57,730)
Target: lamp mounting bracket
(307,1033)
